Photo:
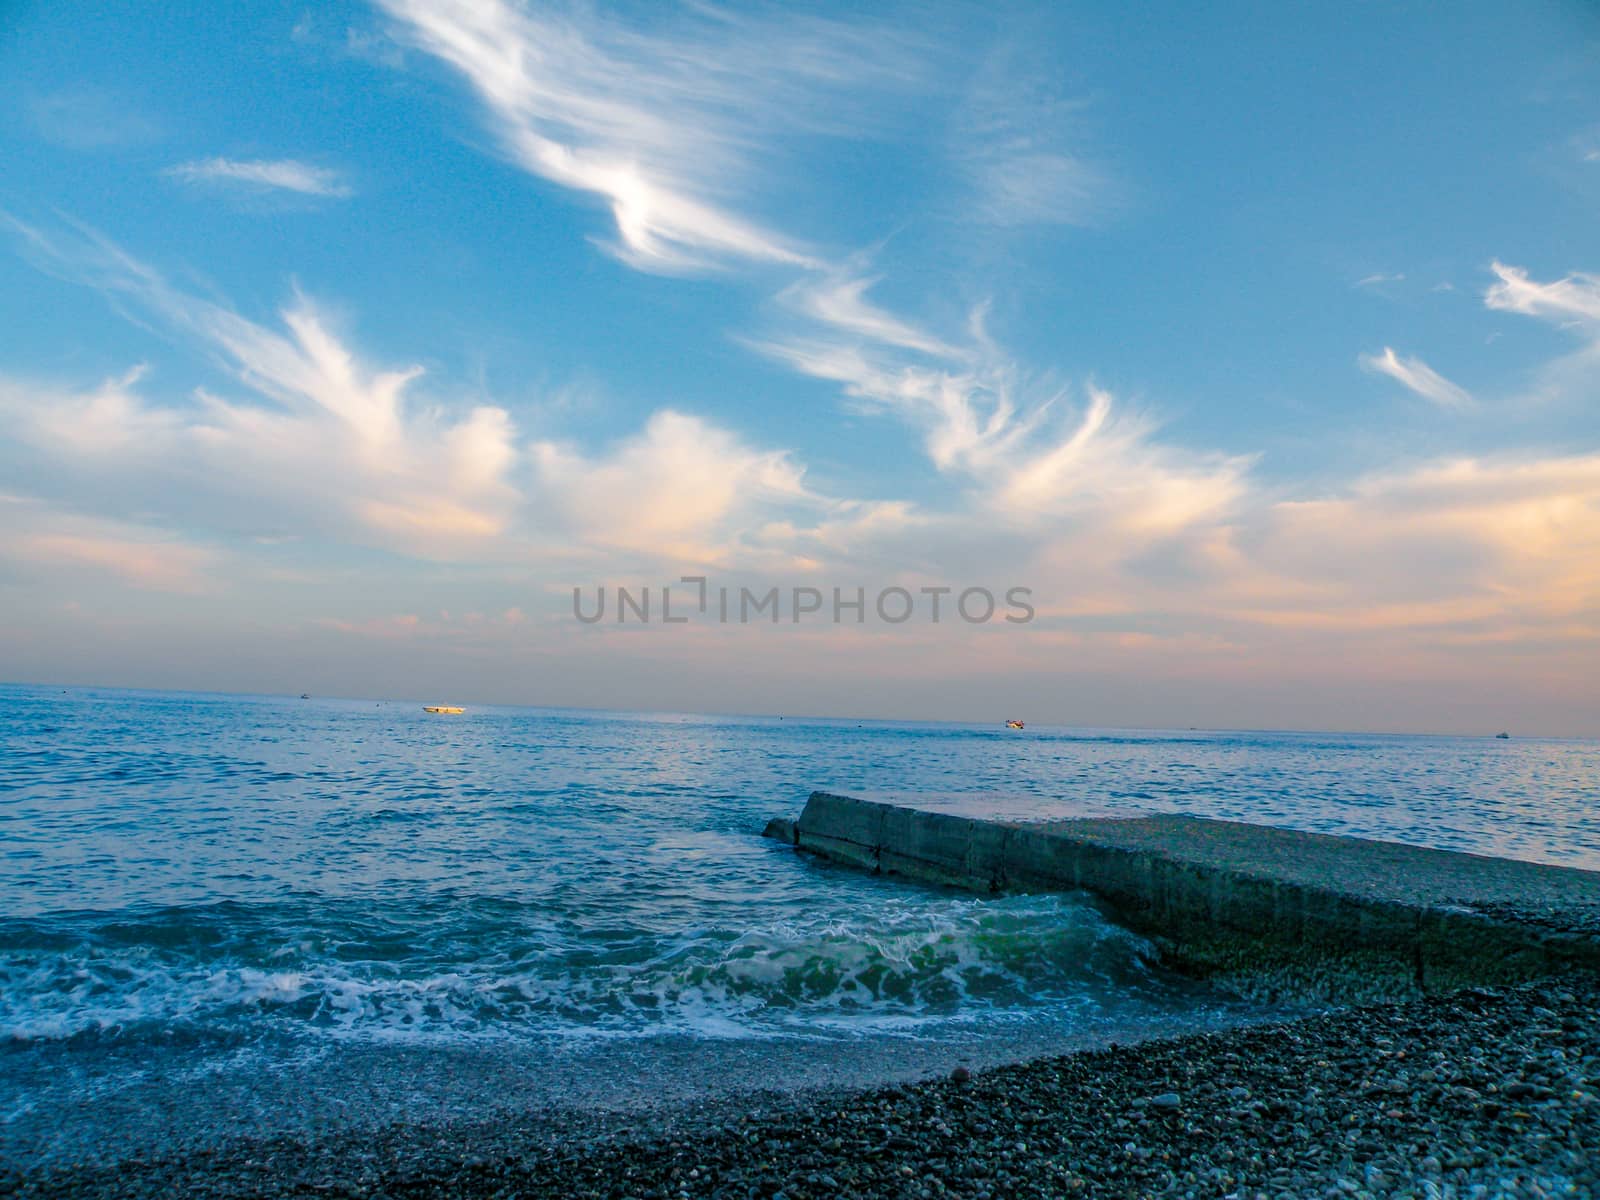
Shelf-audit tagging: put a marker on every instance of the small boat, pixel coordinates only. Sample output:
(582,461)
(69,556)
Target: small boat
(1506,736)
(442,708)
(1015,725)
(305,695)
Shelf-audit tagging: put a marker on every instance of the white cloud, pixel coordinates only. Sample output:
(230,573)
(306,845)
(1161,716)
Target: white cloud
(339,446)
(1029,465)
(324,442)
(681,488)
(282,174)
(1012,438)
(321,443)
(1489,548)
(1419,377)
(109,420)
(1573,301)
(1387,578)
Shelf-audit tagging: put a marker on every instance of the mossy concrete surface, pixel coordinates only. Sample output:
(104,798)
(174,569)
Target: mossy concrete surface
(1264,910)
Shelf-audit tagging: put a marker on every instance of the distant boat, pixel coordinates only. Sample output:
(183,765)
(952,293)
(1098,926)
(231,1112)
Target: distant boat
(1503,735)
(305,695)
(442,708)
(1015,725)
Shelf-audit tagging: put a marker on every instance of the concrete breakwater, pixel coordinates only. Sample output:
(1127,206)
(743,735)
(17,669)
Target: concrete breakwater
(1263,910)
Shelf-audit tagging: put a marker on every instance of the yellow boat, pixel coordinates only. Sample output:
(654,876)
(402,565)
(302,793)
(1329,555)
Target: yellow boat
(1014,725)
(442,708)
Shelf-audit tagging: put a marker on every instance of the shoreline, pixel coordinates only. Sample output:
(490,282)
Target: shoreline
(1484,1091)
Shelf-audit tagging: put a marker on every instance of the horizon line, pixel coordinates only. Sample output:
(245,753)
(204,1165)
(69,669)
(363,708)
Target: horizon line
(796,716)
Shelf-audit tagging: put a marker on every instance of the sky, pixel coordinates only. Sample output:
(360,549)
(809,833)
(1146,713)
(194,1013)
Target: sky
(1259,345)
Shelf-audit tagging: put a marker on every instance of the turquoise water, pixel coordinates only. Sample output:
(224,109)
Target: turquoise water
(202,873)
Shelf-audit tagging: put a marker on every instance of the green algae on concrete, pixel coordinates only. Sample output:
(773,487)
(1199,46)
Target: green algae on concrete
(1261,909)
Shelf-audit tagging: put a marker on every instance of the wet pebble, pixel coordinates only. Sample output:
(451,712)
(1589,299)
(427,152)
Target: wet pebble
(1462,1096)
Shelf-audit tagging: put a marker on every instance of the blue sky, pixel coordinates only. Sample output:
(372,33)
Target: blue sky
(341,343)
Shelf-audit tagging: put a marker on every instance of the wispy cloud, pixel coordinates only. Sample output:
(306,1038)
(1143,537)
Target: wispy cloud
(157,566)
(1378,279)
(662,126)
(91,117)
(1032,455)
(39,539)
(1573,301)
(1017,141)
(371,45)
(280,174)
(1418,377)
(336,445)
(968,415)
(839,301)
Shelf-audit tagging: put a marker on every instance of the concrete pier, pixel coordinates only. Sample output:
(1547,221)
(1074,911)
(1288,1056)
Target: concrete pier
(1263,910)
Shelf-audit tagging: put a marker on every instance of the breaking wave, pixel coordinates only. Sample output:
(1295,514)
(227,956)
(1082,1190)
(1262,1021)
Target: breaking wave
(481,969)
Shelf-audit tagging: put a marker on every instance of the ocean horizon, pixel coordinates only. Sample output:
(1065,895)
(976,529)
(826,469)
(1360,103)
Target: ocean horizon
(422,701)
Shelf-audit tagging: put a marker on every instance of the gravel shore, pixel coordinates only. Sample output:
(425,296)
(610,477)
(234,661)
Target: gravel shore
(1482,1093)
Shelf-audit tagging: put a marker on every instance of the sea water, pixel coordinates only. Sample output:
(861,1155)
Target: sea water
(356,910)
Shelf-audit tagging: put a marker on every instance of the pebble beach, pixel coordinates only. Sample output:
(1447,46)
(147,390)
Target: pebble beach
(1480,1093)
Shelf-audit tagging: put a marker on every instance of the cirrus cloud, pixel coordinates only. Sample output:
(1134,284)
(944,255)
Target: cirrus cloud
(277,174)
(1417,376)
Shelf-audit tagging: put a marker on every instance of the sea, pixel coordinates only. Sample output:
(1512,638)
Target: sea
(230,915)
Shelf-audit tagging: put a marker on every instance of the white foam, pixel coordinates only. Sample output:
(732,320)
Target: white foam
(896,967)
